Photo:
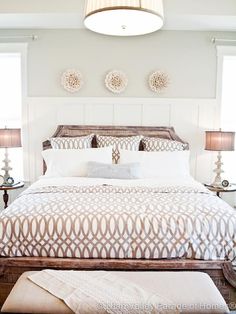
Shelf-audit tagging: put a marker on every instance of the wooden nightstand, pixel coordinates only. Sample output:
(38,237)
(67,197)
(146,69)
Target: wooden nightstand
(9,188)
(218,190)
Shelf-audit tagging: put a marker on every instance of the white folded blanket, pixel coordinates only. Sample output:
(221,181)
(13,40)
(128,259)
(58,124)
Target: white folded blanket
(100,292)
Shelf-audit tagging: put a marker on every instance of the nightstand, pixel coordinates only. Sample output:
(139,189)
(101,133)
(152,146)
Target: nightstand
(218,190)
(9,188)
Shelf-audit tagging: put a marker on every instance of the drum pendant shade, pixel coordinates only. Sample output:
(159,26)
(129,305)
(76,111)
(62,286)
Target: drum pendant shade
(124,17)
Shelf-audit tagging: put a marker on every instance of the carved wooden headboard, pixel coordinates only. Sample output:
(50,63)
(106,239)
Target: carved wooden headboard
(81,130)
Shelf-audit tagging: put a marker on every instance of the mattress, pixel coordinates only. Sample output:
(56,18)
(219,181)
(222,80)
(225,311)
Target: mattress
(131,219)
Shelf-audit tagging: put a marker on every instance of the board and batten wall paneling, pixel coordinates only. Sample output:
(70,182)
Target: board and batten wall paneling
(190,117)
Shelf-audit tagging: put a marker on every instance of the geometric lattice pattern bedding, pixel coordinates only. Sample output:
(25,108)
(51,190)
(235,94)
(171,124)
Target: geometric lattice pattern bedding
(128,143)
(72,142)
(106,221)
(155,144)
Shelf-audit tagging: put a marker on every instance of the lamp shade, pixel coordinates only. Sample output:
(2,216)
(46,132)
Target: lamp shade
(10,138)
(124,17)
(219,141)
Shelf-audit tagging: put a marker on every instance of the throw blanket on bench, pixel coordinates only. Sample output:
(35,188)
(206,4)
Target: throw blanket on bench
(100,292)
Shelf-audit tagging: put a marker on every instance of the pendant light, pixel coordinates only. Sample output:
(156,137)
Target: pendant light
(124,17)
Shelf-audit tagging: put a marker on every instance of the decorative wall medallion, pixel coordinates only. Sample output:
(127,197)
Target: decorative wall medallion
(72,80)
(116,81)
(158,81)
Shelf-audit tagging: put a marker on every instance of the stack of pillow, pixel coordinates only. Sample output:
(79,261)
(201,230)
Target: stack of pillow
(116,157)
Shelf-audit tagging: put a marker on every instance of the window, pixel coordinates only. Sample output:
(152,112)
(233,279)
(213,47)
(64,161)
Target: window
(11,99)
(228,109)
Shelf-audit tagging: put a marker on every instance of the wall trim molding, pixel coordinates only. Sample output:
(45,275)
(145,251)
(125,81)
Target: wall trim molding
(118,100)
(190,117)
(223,50)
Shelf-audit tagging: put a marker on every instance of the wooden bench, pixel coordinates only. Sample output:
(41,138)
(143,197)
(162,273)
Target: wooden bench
(191,292)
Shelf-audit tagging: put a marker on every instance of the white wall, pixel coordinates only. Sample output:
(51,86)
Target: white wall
(190,117)
(188,57)
(189,104)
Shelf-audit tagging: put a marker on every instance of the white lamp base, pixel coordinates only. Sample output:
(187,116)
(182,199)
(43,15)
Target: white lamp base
(218,180)
(6,167)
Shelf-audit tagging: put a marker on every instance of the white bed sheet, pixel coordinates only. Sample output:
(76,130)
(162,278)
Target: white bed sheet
(84,181)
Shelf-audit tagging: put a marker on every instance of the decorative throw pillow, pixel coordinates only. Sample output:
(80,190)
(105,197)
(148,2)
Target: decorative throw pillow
(128,143)
(154,144)
(72,142)
(111,171)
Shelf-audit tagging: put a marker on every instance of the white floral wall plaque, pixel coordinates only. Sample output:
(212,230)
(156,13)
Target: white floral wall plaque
(72,80)
(158,81)
(116,81)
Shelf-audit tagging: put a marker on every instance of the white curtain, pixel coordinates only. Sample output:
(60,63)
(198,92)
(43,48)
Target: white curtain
(228,112)
(10,106)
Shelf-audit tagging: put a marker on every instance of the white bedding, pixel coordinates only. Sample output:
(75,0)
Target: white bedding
(113,218)
(84,181)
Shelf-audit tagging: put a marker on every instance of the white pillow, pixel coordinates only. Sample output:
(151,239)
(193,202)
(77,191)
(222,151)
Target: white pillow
(73,162)
(159,164)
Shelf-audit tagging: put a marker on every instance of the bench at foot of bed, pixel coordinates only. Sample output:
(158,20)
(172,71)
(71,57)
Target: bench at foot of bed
(187,292)
(221,272)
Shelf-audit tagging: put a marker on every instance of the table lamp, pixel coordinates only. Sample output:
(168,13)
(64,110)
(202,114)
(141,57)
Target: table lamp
(219,141)
(9,138)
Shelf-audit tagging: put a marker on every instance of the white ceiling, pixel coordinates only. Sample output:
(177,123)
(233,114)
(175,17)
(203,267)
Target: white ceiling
(212,15)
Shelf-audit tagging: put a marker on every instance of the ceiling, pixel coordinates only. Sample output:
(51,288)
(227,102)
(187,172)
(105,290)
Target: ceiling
(205,15)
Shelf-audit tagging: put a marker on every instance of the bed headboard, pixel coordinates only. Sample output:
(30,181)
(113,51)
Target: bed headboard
(81,130)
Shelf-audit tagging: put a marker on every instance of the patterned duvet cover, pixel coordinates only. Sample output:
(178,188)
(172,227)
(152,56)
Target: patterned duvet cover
(106,221)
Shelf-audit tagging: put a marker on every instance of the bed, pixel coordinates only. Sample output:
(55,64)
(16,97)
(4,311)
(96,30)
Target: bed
(87,223)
